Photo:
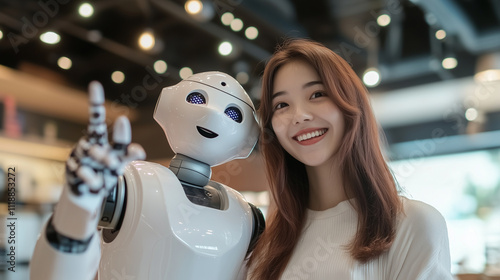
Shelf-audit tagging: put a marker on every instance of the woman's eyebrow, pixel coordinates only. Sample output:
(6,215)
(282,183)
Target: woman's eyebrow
(277,94)
(306,85)
(311,83)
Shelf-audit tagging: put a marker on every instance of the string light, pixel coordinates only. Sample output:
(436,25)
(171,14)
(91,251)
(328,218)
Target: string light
(227,18)
(449,63)
(236,24)
(440,34)
(147,40)
(471,114)
(86,10)
(50,38)
(383,20)
(489,75)
(64,62)
(371,77)
(118,77)
(185,72)
(488,67)
(94,36)
(193,7)
(251,33)
(225,48)
(242,77)
(160,66)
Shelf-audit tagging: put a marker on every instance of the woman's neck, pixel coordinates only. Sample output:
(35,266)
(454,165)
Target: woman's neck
(326,188)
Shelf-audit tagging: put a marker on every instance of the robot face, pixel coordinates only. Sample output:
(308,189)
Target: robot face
(208,117)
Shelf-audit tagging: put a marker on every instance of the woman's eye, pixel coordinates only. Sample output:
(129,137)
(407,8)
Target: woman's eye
(317,94)
(280,105)
(196,98)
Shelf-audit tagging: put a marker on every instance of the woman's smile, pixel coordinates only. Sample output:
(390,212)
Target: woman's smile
(310,136)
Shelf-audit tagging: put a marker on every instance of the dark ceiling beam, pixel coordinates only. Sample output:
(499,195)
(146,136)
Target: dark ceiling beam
(92,36)
(178,12)
(108,45)
(394,44)
(408,68)
(454,21)
(496,8)
(454,144)
(278,16)
(353,8)
(10,21)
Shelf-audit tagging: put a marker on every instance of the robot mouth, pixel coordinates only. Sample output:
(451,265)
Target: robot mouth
(206,133)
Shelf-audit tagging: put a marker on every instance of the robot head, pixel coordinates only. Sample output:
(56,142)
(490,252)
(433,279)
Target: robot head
(208,117)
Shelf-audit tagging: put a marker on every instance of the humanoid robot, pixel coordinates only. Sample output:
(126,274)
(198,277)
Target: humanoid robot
(156,222)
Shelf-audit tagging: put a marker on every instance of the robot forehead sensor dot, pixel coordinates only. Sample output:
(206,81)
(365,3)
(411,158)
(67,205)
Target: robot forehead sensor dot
(226,91)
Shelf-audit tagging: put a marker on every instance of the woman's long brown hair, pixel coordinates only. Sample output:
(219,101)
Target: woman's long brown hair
(366,175)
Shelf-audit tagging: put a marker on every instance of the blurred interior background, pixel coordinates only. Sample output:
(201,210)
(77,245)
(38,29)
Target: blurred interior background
(432,68)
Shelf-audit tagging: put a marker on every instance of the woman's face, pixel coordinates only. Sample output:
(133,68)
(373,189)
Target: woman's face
(306,122)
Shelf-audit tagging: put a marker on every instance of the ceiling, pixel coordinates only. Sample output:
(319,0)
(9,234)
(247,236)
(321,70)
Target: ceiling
(406,51)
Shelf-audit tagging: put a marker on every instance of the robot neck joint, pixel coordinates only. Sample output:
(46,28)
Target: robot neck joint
(190,171)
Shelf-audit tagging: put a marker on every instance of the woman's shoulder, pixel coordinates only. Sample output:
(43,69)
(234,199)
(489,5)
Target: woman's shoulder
(421,218)
(420,249)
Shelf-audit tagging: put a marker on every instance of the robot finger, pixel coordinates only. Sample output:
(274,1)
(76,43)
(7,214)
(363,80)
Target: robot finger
(112,161)
(98,153)
(72,164)
(122,134)
(134,152)
(97,132)
(110,179)
(89,177)
(81,149)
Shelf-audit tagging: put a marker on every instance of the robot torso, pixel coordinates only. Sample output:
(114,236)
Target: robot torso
(164,234)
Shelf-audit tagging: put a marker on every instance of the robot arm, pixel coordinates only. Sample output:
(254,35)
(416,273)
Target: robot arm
(68,246)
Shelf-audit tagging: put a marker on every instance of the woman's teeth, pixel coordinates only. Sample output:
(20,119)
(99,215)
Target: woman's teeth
(310,135)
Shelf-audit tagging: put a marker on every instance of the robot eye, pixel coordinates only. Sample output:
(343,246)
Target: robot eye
(196,98)
(234,113)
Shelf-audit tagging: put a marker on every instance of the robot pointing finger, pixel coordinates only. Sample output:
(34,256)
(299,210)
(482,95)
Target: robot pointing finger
(157,222)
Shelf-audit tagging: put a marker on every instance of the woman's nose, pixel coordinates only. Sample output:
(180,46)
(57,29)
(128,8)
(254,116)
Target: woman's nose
(302,114)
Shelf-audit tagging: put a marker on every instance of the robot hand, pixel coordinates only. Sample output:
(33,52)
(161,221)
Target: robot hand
(68,247)
(93,168)
(94,164)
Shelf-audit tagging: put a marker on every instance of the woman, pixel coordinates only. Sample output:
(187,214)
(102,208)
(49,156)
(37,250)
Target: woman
(338,213)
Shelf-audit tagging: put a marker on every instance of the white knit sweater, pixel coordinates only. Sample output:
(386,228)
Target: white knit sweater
(420,250)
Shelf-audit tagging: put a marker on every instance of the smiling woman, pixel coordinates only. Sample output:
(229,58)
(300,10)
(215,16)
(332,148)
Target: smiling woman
(338,213)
